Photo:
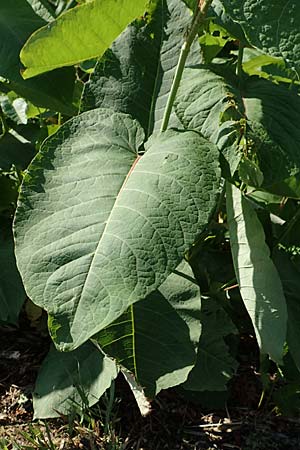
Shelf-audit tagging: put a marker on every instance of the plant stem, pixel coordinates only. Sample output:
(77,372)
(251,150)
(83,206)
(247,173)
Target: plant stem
(289,225)
(239,67)
(198,18)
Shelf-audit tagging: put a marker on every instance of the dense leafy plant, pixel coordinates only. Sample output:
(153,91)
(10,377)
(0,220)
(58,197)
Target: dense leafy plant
(167,208)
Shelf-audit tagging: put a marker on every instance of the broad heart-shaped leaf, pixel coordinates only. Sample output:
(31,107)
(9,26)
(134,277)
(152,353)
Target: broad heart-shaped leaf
(270,25)
(135,75)
(212,101)
(258,279)
(12,293)
(70,382)
(99,228)
(55,91)
(79,34)
(156,338)
(214,365)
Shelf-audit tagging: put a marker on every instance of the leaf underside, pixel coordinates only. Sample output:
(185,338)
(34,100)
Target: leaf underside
(258,279)
(87,245)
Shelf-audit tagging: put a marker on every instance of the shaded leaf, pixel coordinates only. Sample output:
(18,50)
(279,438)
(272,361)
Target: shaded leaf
(12,294)
(72,381)
(258,279)
(15,152)
(272,26)
(134,76)
(223,19)
(214,365)
(79,34)
(156,338)
(88,245)
(288,267)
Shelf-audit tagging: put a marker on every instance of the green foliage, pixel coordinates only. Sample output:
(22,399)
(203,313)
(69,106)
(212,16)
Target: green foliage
(140,65)
(164,327)
(271,27)
(82,33)
(135,224)
(18,20)
(258,280)
(70,382)
(118,225)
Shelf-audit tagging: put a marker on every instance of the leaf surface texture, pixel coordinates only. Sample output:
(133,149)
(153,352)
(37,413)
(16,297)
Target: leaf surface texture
(98,227)
(258,279)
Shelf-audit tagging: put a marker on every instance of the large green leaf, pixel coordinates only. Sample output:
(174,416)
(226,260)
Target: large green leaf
(79,34)
(214,365)
(99,227)
(258,279)
(156,338)
(12,294)
(134,76)
(213,101)
(17,21)
(70,382)
(270,25)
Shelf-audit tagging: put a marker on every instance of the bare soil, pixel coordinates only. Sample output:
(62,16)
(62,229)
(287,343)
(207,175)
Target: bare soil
(174,423)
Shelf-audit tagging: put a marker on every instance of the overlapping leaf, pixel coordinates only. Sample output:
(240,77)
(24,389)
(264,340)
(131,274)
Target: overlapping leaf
(258,279)
(70,382)
(17,21)
(99,228)
(12,294)
(213,101)
(134,76)
(270,25)
(289,270)
(156,338)
(79,34)
(214,365)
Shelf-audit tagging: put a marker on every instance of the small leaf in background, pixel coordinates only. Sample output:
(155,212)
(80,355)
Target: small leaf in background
(82,33)
(156,338)
(270,25)
(265,66)
(71,382)
(258,279)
